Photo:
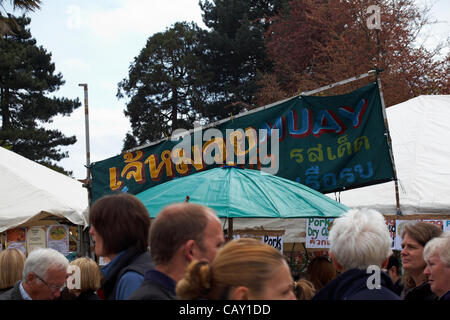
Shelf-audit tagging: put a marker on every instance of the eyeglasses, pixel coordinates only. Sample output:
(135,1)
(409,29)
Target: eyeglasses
(52,287)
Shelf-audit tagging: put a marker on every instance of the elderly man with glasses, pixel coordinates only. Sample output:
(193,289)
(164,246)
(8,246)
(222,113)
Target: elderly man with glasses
(44,275)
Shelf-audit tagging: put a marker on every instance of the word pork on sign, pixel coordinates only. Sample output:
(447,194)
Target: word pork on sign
(274,241)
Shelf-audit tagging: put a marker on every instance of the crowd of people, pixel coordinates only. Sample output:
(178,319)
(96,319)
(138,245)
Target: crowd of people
(182,254)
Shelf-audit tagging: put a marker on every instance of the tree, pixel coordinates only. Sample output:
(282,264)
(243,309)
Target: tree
(235,52)
(316,43)
(27,76)
(7,22)
(165,85)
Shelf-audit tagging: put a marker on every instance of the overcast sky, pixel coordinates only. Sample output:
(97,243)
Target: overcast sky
(95,41)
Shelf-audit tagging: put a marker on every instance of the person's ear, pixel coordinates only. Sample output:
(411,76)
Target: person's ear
(188,250)
(385,263)
(336,264)
(240,293)
(30,277)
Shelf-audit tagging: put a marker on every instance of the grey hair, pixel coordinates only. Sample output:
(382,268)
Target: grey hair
(359,239)
(42,259)
(439,245)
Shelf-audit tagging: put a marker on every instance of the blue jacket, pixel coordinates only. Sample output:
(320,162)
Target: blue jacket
(125,273)
(156,286)
(352,285)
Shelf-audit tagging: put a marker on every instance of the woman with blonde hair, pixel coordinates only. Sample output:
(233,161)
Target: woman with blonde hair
(90,278)
(244,269)
(304,289)
(11,267)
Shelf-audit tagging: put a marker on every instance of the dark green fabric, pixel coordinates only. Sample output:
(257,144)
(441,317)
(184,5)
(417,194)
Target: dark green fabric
(327,143)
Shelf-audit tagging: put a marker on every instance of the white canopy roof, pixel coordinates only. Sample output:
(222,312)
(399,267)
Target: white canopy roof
(420,133)
(28,189)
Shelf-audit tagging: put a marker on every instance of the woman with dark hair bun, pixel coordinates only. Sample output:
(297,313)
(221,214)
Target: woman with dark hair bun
(120,226)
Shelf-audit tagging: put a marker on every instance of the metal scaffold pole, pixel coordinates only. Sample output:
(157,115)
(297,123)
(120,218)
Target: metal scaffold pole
(389,141)
(84,237)
(340,83)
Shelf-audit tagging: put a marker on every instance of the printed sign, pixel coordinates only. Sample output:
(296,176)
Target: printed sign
(36,238)
(392,226)
(58,238)
(16,238)
(274,241)
(317,230)
(439,223)
(270,237)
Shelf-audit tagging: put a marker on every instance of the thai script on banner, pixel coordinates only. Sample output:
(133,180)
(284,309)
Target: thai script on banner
(327,143)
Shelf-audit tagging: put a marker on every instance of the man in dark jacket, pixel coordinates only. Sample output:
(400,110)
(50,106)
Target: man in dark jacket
(180,233)
(360,247)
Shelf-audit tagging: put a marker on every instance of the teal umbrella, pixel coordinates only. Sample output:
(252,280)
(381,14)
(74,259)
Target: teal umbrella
(243,193)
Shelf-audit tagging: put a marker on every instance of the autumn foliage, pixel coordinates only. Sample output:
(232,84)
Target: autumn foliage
(317,42)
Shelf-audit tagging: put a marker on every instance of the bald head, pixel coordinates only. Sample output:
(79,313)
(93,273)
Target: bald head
(175,225)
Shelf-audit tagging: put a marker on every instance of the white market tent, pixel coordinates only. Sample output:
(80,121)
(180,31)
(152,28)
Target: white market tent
(29,191)
(420,133)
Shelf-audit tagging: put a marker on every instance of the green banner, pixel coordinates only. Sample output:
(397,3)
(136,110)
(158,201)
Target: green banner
(327,143)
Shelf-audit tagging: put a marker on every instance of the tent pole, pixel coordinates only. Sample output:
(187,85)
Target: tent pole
(85,245)
(86,122)
(79,240)
(340,83)
(389,141)
(230,229)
